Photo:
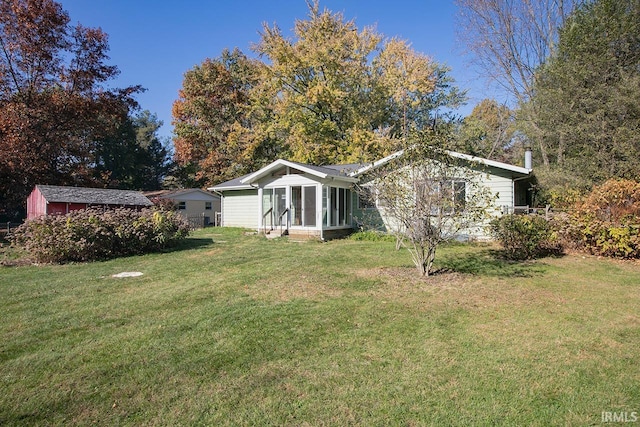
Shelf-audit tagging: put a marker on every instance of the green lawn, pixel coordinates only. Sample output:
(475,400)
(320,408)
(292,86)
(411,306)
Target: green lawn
(238,330)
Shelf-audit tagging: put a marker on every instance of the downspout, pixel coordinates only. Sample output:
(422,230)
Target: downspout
(221,207)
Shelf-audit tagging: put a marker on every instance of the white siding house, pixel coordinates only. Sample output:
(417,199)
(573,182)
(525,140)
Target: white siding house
(199,207)
(293,198)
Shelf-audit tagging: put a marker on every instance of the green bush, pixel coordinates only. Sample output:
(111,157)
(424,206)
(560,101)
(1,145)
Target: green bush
(525,236)
(607,221)
(94,234)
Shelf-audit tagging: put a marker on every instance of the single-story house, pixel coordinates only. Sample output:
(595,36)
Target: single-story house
(200,207)
(298,199)
(56,200)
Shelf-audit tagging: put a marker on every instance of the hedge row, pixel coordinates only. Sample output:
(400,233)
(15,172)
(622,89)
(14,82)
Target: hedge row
(606,222)
(94,234)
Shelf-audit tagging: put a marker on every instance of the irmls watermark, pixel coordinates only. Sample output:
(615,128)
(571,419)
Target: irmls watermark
(620,417)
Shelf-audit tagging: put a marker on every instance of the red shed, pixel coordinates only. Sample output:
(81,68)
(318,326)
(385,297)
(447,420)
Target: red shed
(52,199)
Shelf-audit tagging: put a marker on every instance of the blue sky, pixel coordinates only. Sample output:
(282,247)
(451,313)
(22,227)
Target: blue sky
(154,42)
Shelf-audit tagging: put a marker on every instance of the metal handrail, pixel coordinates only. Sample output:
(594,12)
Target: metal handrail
(264,219)
(280,219)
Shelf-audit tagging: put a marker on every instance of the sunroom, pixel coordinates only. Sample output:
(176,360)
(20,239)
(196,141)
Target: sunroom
(289,198)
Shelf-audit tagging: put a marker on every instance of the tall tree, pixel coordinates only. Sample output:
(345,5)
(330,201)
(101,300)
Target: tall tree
(325,98)
(510,39)
(340,94)
(587,96)
(54,105)
(488,131)
(133,157)
(154,155)
(213,119)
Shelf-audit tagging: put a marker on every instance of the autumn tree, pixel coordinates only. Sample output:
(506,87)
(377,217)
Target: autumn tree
(331,94)
(54,104)
(341,94)
(488,131)
(214,119)
(509,40)
(326,100)
(587,95)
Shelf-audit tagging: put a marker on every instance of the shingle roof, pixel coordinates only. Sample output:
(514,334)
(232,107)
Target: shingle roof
(167,194)
(97,196)
(343,171)
(233,184)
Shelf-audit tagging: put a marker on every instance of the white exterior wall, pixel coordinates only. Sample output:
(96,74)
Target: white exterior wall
(240,208)
(502,188)
(500,185)
(196,205)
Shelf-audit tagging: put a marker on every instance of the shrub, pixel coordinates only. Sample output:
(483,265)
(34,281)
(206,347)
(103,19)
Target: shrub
(525,236)
(93,234)
(607,221)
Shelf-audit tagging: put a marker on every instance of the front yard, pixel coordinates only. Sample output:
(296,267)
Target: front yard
(237,330)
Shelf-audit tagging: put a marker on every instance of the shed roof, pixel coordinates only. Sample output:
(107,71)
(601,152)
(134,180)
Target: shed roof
(168,194)
(94,196)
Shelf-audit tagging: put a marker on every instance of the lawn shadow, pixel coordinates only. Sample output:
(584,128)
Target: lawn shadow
(489,262)
(191,243)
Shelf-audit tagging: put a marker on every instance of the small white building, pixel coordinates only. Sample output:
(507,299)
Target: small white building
(292,198)
(200,207)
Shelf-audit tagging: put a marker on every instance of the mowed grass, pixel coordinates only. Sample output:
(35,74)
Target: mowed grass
(237,330)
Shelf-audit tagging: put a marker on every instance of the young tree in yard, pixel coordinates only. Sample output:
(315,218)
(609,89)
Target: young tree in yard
(53,102)
(427,198)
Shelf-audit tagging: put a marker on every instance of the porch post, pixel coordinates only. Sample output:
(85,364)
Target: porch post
(319,207)
(260,228)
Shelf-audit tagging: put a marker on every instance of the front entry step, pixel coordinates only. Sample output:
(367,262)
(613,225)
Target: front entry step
(273,234)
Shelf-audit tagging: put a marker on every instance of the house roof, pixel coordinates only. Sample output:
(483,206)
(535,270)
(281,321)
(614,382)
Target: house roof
(341,172)
(454,154)
(349,172)
(95,196)
(318,171)
(168,194)
(234,184)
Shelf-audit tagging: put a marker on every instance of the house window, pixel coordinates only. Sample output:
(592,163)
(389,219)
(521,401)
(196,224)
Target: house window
(182,206)
(366,198)
(339,207)
(207,206)
(459,195)
(446,196)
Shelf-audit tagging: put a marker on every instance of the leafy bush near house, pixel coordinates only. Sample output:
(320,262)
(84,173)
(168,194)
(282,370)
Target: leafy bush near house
(525,236)
(607,221)
(93,234)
